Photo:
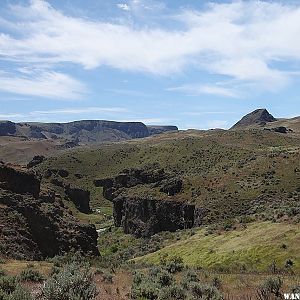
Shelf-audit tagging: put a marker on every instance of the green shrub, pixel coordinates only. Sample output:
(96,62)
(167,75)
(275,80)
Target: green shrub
(173,292)
(174,265)
(188,277)
(216,282)
(31,275)
(20,293)
(2,272)
(164,278)
(204,291)
(3,295)
(10,289)
(74,281)
(107,277)
(145,290)
(8,284)
(270,286)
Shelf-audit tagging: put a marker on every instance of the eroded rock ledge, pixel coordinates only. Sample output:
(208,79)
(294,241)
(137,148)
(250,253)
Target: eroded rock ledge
(34,224)
(144,216)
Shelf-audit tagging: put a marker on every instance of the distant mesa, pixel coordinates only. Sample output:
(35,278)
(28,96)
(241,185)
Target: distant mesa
(155,129)
(258,117)
(85,131)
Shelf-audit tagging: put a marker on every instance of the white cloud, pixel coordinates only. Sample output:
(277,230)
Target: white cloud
(65,113)
(196,90)
(123,6)
(244,40)
(42,84)
(81,110)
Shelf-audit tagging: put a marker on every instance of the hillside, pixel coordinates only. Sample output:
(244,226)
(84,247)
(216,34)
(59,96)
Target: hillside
(262,119)
(249,170)
(19,142)
(254,247)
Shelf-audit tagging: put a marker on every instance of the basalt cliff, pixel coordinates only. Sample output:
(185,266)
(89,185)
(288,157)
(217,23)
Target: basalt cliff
(144,215)
(35,223)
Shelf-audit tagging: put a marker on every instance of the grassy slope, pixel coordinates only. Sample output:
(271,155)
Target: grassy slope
(254,248)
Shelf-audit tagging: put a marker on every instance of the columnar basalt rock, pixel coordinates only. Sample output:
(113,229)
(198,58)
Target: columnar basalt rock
(145,217)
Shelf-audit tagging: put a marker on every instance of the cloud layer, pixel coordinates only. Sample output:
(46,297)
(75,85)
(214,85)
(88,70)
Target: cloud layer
(247,42)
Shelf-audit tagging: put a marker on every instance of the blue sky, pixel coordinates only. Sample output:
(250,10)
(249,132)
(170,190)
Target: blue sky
(194,64)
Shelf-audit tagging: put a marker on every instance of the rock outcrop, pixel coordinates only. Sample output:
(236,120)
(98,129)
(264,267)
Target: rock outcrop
(145,216)
(161,129)
(168,183)
(36,160)
(258,117)
(279,129)
(19,181)
(36,225)
(80,198)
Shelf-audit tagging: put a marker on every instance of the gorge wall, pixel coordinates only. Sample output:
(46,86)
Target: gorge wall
(34,223)
(144,216)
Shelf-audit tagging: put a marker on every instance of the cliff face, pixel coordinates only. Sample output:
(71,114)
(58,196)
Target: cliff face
(80,198)
(36,225)
(85,131)
(7,128)
(82,131)
(145,216)
(18,181)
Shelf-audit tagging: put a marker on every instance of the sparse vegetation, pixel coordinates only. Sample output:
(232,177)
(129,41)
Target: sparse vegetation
(74,281)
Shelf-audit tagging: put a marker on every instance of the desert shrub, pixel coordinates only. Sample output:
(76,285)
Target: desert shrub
(188,277)
(164,278)
(160,284)
(272,285)
(145,290)
(173,292)
(149,286)
(107,277)
(10,289)
(204,291)
(20,293)
(8,284)
(296,289)
(54,270)
(31,275)
(138,278)
(2,272)
(3,295)
(74,281)
(174,265)
(216,282)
